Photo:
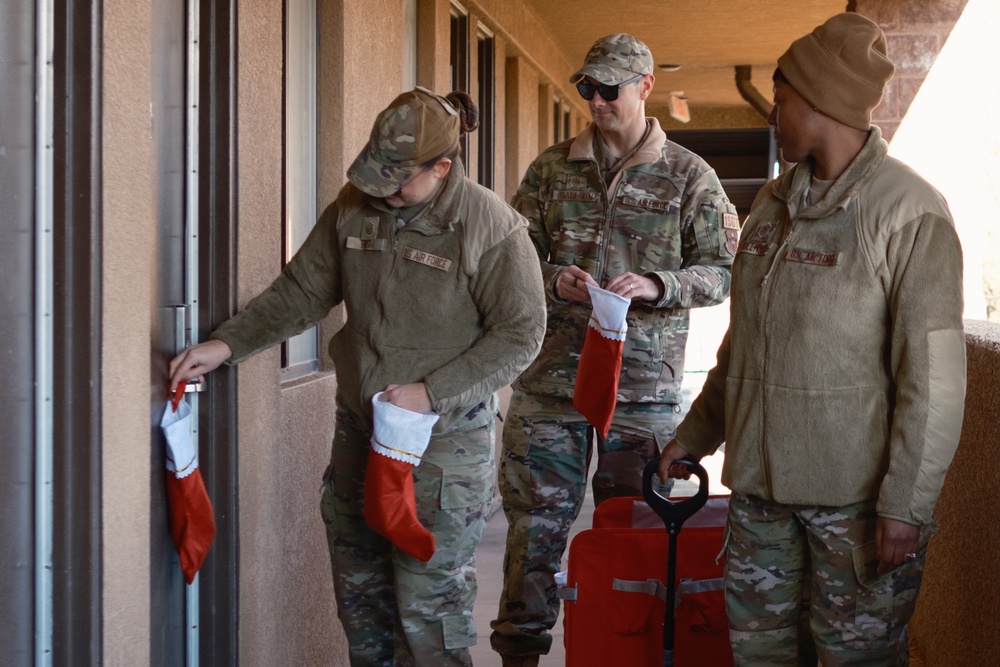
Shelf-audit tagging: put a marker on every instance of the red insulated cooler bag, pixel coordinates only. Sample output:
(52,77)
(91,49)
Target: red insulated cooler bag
(613,599)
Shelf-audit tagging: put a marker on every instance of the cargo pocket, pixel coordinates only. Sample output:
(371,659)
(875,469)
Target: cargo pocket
(874,603)
(458,632)
(467,486)
(460,518)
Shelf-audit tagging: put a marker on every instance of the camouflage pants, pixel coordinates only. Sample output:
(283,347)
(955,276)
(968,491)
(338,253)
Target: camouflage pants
(395,609)
(801,583)
(543,477)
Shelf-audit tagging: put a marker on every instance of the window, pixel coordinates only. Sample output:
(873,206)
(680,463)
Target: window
(487,104)
(561,121)
(299,354)
(556,121)
(460,64)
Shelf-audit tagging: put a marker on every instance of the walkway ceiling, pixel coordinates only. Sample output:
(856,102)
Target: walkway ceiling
(707,38)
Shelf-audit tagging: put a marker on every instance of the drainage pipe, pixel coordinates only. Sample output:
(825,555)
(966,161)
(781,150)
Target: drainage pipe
(749,92)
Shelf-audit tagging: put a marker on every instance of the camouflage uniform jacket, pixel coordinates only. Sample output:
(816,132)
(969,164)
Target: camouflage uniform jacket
(842,376)
(452,299)
(664,216)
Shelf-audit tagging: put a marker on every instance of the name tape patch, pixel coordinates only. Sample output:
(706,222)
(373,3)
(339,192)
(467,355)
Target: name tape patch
(752,248)
(807,256)
(646,202)
(354,243)
(426,259)
(574,195)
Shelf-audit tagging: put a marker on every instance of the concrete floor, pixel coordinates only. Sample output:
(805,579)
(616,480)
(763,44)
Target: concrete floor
(489,556)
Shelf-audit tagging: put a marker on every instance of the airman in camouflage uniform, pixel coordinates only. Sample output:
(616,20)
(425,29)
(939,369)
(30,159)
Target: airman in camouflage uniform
(622,207)
(444,306)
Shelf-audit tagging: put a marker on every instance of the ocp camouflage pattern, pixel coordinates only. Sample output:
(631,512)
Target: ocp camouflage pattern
(395,610)
(663,219)
(802,582)
(616,58)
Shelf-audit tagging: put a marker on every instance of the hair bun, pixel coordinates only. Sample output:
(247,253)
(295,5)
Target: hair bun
(467,110)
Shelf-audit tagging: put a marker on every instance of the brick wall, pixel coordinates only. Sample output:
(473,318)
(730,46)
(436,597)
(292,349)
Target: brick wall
(915,31)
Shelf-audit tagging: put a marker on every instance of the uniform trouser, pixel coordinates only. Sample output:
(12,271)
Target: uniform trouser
(396,610)
(543,477)
(801,582)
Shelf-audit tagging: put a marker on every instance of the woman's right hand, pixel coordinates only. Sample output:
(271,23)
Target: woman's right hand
(196,360)
(668,462)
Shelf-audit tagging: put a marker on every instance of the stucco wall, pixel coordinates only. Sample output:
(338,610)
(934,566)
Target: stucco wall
(957,611)
(261,500)
(287,609)
(128,240)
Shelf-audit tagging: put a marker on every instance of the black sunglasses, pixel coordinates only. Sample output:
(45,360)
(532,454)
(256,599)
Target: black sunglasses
(608,93)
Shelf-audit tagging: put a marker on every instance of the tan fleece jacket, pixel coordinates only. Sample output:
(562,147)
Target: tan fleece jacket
(453,299)
(842,376)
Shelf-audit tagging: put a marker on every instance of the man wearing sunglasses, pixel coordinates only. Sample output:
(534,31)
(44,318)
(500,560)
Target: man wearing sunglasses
(622,208)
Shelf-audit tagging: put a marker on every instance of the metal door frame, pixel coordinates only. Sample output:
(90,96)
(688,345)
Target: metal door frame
(76,433)
(217,410)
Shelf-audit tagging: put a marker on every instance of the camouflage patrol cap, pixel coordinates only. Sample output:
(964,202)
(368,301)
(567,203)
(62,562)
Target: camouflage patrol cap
(614,59)
(416,128)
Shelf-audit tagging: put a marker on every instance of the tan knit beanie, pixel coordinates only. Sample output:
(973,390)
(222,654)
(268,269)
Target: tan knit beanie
(841,68)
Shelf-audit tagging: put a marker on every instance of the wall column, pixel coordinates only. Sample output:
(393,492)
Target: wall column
(522,120)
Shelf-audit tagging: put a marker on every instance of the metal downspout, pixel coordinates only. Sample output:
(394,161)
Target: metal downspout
(749,92)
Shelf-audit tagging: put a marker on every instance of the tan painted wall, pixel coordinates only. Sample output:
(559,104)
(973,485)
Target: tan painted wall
(545,117)
(517,33)
(128,238)
(434,45)
(957,611)
(500,162)
(522,119)
(526,36)
(261,520)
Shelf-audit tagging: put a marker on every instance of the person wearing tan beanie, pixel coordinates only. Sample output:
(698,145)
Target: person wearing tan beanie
(840,386)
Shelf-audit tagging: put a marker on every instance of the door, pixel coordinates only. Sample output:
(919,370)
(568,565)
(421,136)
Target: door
(17,170)
(194,83)
(168,62)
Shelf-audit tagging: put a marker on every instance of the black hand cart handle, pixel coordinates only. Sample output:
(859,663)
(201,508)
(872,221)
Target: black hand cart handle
(674,514)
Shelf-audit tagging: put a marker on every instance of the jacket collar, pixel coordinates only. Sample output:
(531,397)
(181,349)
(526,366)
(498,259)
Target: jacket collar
(846,187)
(442,212)
(582,147)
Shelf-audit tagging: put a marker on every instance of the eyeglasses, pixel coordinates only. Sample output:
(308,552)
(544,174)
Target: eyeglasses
(608,93)
(412,178)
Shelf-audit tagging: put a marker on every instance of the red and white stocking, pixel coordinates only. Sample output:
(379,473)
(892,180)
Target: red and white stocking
(399,440)
(192,521)
(596,390)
